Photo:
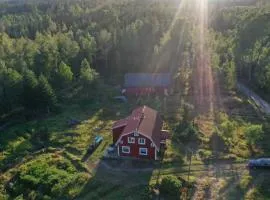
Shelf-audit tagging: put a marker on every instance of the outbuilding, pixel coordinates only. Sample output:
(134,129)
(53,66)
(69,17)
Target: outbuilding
(147,83)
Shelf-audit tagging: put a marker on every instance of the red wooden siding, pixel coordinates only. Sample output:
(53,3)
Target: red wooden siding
(134,148)
(117,132)
(145,90)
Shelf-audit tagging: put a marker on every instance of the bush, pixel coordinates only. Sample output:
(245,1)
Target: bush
(244,182)
(20,197)
(186,133)
(170,186)
(253,194)
(205,154)
(148,193)
(54,176)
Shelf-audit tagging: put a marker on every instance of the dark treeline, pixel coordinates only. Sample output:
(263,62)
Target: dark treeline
(49,46)
(242,45)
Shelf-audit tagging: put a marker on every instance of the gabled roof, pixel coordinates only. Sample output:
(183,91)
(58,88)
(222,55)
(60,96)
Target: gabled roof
(147,80)
(145,121)
(120,123)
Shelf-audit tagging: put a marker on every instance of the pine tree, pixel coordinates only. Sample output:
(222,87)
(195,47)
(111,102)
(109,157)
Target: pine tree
(46,95)
(64,75)
(10,87)
(30,83)
(88,76)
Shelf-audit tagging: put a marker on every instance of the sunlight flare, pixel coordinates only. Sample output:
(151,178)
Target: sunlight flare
(204,75)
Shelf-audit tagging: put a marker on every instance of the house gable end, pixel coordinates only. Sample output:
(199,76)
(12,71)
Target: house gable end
(132,134)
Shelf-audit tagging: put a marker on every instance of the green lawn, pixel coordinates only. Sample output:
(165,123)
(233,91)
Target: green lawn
(21,145)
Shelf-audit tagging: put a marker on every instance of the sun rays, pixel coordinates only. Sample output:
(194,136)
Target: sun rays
(167,36)
(205,92)
(195,15)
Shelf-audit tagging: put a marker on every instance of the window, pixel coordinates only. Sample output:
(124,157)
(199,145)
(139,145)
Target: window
(125,149)
(143,151)
(131,140)
(136,134)
(141,141)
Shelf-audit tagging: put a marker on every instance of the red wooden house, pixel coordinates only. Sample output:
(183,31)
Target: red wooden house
(140,135)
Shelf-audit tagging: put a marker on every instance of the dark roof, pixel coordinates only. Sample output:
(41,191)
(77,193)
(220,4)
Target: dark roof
(146,121)
(120,123)
(147,80)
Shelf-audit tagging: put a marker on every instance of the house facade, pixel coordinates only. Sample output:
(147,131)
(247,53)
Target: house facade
(140,135)
(137,145)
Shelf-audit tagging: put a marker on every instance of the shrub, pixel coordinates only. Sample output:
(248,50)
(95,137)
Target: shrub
(170,186)
(54,176)
(186,133)
(245,181)
(148,193)
(205,154)
(253,194)
(264,188)
(20,197)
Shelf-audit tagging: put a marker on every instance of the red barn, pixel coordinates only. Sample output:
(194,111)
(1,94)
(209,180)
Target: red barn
(140,135)
(147,83)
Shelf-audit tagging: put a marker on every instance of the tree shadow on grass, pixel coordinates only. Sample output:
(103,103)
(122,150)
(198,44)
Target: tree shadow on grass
(252,185)
(115,183)
(21,140)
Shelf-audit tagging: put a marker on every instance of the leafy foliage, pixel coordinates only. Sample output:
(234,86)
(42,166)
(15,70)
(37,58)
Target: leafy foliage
(87,74)
(64,75)
(170,186)
(30,84)
(60,40)
(59,177)
(185,133)
(242,46)
(240,138)
(10,87)
(47,98)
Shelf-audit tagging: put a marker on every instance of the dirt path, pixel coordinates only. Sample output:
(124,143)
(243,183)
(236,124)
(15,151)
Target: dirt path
(262,105)
(217,168)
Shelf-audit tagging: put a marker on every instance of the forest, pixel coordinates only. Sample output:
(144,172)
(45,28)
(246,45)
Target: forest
(47,47)
(66,59)
(241,46)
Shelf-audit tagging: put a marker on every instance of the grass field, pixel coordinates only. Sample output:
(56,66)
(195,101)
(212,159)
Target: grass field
(23,144)
(25,149)
(20,143)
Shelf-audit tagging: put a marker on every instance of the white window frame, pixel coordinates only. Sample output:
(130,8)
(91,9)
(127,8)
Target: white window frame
(131,140)
(126,152)
(136,134)
(139,142)
(143,154)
